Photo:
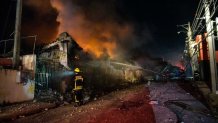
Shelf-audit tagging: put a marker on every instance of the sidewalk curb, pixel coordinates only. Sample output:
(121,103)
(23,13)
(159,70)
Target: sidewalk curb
(211,99)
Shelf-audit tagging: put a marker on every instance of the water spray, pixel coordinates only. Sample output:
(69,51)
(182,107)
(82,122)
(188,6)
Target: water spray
(134,66)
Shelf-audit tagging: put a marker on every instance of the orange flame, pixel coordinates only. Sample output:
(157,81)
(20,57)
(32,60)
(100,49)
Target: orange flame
(180,65)
(92,37)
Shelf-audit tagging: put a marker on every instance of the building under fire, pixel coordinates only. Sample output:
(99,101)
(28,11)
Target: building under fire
(51,70)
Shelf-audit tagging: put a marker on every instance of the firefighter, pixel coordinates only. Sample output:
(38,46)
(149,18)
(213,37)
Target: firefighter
(78,87)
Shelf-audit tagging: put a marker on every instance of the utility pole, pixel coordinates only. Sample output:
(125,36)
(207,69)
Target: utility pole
(190,49)
(189,33)
(187,51)
(16,51)
(188,41)
(211,45)
(217,27)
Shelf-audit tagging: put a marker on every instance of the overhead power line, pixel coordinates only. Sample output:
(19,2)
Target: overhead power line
(199,17)
(196,15)
(198,27)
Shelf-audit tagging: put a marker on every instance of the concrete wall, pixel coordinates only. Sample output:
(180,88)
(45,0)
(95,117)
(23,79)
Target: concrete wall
(12,90)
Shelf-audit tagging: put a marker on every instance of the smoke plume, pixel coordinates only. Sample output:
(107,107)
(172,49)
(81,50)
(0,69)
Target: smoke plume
(96,27)
(39,19)
(103,28)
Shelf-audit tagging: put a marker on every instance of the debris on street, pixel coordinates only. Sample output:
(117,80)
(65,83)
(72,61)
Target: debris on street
(24,109)
(128,105)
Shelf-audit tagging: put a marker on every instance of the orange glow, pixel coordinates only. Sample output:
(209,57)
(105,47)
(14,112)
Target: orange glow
(180,65)
(96,47)
(93,37)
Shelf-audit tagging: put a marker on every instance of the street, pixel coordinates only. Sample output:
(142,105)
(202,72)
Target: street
(130,105)
(157,102)
(108,61)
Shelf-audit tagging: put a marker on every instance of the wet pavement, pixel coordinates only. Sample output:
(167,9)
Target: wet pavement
(171,102)
(123,106)
(185,107)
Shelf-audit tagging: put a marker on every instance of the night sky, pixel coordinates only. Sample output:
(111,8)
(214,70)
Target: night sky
(152,23)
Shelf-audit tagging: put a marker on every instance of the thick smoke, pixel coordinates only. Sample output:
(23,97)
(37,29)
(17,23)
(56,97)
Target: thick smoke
(39,19)
(102,28)
(99,27)
(95,25)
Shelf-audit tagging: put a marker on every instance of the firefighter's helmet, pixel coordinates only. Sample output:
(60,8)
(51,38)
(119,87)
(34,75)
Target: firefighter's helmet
(77,70)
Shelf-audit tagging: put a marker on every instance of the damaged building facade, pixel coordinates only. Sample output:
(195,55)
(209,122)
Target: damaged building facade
(38,73)
(51,71)
(55,64)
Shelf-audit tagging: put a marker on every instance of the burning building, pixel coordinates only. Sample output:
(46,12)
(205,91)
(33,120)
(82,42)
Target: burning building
(52,70)
(39,72)
(56,62)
